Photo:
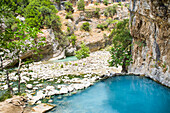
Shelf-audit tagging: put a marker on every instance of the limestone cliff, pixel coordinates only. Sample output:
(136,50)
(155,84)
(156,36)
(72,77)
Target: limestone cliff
(150,28)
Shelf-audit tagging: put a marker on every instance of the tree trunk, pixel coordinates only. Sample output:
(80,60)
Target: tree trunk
(19,76)
(124,67)
(59,5)
(1,63)
(8,81)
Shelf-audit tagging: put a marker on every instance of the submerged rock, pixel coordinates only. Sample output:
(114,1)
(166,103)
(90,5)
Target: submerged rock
(50,101)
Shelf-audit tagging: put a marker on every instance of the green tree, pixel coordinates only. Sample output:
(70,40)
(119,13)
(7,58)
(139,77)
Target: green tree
(81,5)
(121,50)
(5,12)
(83,52)
(69,7)
(24,39)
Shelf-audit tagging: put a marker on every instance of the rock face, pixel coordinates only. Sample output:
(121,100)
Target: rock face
(149,25)
(15,104)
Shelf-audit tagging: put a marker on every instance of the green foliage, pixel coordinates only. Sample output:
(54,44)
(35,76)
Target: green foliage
(111,21)
(62,66)
(96,3)
(97,12)
(105,2)
(76,64)
(73,39)
(127,5)
(39,13)
(69,16)
(121,33)
(110,11)
(5,96)
(16,6)
(69,7)
(83,52)
(102,26)
(121,51)
(119,54)
(7,15)
(23,39)
(120,3)
(86,26)
(68,29)
(81,5)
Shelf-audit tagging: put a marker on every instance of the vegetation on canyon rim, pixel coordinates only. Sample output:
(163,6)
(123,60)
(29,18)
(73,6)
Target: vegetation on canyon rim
(81,5)
(20,36)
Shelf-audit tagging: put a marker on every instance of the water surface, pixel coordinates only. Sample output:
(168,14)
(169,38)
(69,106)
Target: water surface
(121,94)
(71,58)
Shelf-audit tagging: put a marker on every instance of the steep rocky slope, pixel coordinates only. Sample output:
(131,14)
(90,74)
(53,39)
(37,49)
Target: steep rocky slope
(150,30)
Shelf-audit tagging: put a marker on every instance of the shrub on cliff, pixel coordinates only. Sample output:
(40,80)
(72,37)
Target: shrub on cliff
(102,26)
(105,2)
(73,39)
(110,11)
(85,26)
(69,16)
(81,5)
(97,13)
(121,50)
(69,7)
(120,3)
(83,52)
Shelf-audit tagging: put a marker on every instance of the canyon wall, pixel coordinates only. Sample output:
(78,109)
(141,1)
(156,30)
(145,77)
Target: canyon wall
(150,29)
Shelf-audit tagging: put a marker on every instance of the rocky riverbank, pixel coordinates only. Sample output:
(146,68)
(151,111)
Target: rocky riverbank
(68,77)
(43,79)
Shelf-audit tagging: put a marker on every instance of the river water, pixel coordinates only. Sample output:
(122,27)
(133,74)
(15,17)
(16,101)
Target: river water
(120,94)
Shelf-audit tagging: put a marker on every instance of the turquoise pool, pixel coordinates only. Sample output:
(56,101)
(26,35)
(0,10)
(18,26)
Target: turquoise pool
(120,94)
(71,58)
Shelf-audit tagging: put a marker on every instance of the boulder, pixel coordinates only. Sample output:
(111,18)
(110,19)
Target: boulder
(50,88)
(29,86)
(63,90)
(70,88)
